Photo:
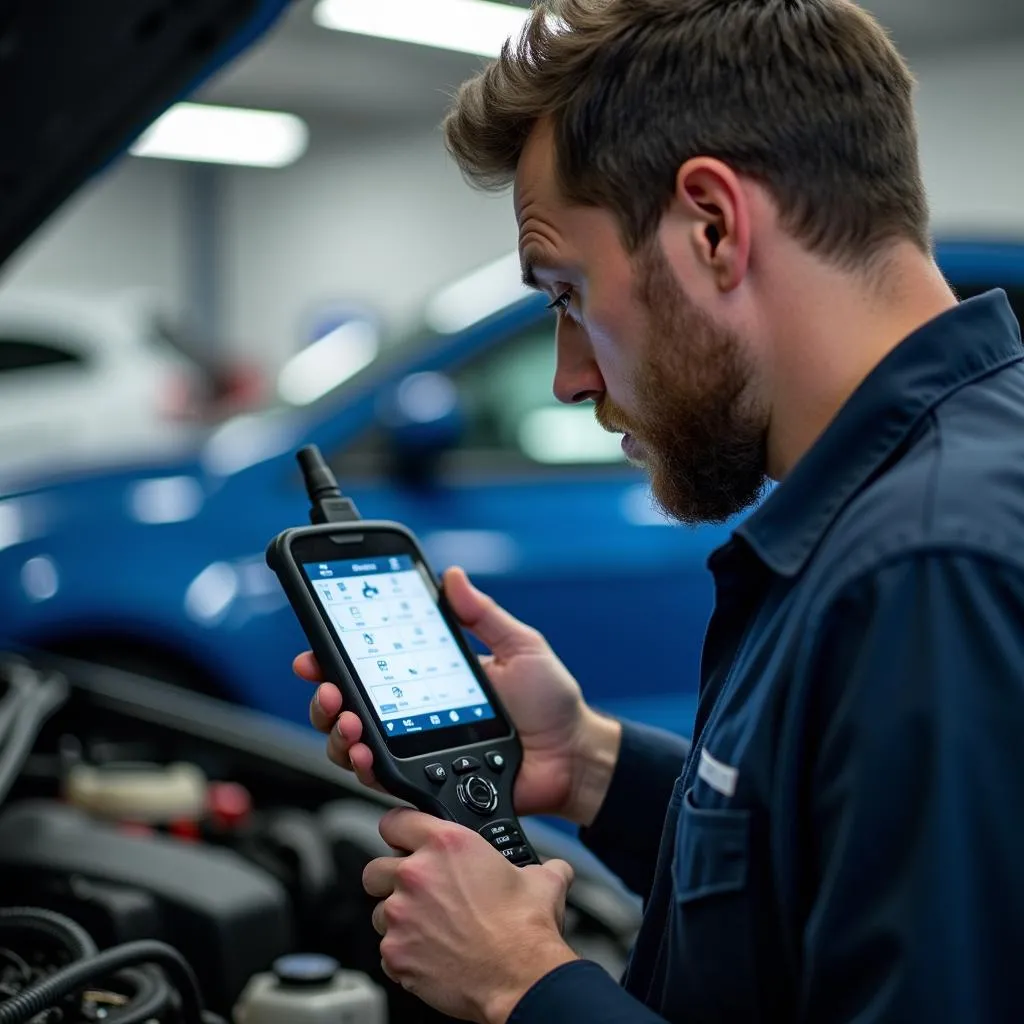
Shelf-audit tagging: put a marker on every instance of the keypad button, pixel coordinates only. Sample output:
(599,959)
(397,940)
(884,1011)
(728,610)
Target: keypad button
(461,765)
(495,761)
(496,828)
(505,840)
(436,773)
(517,854)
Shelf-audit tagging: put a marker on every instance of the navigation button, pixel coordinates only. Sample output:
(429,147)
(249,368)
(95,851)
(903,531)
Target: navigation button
(461,765)
(495,761)
(517,854)
(478,794)
(436,773)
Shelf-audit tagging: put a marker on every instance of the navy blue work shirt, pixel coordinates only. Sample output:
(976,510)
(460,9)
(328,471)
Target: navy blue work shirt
(846,840)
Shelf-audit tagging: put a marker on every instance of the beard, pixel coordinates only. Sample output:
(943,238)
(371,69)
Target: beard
(703,437)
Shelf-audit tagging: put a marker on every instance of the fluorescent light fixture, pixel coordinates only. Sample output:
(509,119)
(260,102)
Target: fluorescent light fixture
(469,26)
(326,363)
(224,135)
(559,437)
(477,296)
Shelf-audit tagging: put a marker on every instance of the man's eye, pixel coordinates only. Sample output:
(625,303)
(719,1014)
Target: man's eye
(562,302)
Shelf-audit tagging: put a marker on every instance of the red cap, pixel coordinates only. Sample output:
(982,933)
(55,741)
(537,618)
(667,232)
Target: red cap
(228,804)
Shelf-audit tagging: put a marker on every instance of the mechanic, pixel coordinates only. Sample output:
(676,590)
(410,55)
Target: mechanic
(723,200)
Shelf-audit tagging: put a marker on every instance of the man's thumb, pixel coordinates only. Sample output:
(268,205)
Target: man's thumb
(488,621)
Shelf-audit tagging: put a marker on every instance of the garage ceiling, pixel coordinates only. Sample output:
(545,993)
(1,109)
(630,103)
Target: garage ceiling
(372,82)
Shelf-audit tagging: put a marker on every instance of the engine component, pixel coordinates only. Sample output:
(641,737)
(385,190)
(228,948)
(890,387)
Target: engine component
(228,917)
(27,1004)
(144,792)
(311,989)
(75,941)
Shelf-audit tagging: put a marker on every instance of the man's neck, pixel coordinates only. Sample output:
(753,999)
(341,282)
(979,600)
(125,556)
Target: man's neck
(831,330)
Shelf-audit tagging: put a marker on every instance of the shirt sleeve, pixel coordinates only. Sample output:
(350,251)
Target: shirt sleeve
(626,833)
(581,992)
(915,895)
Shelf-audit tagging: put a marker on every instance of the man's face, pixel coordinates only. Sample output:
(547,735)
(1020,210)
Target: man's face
(679,386)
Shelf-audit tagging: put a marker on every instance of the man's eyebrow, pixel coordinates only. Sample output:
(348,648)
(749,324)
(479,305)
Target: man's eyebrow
(529,273)
(530,265)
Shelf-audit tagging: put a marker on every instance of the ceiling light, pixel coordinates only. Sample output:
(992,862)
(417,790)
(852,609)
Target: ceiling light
(224,135)
(477,296)
(469,26)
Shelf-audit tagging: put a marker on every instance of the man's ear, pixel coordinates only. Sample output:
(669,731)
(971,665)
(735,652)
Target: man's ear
(710,199)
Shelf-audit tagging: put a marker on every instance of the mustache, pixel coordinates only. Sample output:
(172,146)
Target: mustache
(611,417)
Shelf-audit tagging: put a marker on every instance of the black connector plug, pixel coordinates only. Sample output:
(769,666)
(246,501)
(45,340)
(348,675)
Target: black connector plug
(327,505)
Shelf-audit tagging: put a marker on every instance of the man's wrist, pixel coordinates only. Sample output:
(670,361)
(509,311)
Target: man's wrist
(501,1002)
(595,758)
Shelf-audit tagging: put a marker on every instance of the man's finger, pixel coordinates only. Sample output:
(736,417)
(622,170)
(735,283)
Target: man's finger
(325,707)
(379,876)
(561,871)
(405,829)
(377,920)
(502,632)
(305,666)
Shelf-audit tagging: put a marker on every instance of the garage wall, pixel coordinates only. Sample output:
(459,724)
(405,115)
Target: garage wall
(382,220)
(378,221)
(971,111)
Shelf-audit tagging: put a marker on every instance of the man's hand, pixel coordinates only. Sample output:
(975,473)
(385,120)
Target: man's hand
(462,928)
(569,751)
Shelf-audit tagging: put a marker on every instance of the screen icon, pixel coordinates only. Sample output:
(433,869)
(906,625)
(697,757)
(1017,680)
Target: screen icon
(395,564)
(453,715)
(391,726)
(382,665)
(369,590)
(368,639)
(435,719)
(479,712)
(396,691)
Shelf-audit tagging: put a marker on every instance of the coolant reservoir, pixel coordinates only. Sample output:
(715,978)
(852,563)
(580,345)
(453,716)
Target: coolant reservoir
(308,988)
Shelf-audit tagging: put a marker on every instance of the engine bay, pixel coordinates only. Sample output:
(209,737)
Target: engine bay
(165,856)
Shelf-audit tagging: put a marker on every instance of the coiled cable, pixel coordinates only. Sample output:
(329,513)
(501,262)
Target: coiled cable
(71,936)
(150,996)
(24,1006)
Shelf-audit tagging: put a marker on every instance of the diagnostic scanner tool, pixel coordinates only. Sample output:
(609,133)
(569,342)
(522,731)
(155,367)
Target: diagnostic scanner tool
(378,622)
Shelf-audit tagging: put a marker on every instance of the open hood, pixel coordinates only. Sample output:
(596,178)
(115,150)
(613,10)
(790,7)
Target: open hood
(82,79)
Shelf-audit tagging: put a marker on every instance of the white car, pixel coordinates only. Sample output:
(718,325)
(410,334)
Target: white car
(89,381)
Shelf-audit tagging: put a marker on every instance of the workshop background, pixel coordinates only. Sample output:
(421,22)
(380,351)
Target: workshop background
(231,289)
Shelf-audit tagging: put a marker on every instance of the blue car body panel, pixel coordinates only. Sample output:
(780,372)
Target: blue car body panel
(622,596)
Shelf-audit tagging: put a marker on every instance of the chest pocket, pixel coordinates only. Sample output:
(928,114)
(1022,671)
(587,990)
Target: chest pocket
(711,954)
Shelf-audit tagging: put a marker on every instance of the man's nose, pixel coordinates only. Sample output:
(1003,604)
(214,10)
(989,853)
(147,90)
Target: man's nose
(577,377)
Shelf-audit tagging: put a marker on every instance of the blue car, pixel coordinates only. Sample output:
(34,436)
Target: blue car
(161,568)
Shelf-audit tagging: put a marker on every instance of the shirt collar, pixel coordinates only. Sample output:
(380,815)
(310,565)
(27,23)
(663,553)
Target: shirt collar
(963,344)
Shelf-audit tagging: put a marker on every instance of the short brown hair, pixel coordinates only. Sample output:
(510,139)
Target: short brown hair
(809,97)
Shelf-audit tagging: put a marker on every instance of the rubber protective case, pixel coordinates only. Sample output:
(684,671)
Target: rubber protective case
(404,777)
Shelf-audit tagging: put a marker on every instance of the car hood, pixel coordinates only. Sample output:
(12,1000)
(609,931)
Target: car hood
(83,80)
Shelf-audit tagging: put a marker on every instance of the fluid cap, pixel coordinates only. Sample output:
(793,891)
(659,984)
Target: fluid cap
(300,969)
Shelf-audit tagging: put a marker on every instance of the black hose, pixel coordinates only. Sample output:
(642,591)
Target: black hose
(150,996)
(43,699)
(24,1006)
(20,680)
(70,934)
